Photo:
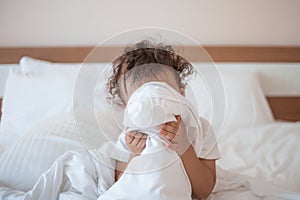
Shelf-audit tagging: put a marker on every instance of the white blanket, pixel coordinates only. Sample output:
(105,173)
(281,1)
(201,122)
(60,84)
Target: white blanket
(151,105)
(236,186)
(75,175)
(259,162)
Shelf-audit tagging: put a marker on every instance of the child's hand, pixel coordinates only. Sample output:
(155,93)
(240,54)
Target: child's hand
(175,133)
(136,142)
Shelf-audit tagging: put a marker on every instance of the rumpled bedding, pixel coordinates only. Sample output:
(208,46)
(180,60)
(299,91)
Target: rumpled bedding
(257,163)
(80,175)
(235,186)
(260,162)
(89,175)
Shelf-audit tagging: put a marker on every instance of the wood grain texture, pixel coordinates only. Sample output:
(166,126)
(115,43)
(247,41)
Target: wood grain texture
(285,108)
(9,55)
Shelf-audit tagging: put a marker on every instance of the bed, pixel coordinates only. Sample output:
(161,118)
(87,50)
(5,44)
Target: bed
(258,143)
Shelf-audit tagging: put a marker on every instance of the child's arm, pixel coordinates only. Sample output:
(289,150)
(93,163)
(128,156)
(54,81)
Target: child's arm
(201,172)
(136,142)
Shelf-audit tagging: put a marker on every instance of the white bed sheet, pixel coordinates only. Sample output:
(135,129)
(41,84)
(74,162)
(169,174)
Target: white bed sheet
(75,175)
(235,186)
(269,173)
(259,163)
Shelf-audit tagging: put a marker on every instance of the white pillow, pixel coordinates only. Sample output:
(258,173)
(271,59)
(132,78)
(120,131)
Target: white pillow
(39,90)
(269,152)
(230,100)
(31,98)
(23,162)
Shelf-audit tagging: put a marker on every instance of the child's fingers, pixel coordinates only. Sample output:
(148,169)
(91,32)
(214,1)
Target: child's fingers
(136,134)
(172,124)
(144,136)
(170,129)
(168,135)
(142,143)
(137,137)
(135,141)
(129,138)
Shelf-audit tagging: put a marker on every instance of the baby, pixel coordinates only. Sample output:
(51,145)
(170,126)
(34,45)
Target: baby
(145,68)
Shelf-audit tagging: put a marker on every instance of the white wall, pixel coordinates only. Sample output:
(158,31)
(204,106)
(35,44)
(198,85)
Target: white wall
(210,22)
(88,22)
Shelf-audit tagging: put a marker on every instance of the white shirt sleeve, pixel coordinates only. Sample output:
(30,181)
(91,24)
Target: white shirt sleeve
(209,150)
(120,151)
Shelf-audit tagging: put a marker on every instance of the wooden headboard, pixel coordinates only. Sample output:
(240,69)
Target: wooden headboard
(284,108)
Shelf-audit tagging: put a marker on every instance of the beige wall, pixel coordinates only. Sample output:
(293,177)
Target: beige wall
(88,22)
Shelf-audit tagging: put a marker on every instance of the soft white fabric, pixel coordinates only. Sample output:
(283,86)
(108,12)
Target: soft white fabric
(152,177)
(23,162)
(263,143)
(153,104)
(75,175)
(235,186)
(269,152)
(156,103)
(32,98)
(39,90)
(259,163)
(229,100)
(152,172)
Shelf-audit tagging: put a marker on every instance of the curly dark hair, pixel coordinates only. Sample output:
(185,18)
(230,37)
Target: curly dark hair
(142,53)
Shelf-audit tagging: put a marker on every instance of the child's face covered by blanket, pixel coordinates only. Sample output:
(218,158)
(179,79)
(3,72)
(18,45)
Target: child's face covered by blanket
(150,105)
(140,75)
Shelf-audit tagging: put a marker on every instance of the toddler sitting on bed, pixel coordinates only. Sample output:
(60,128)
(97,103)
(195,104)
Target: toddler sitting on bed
(146,69)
